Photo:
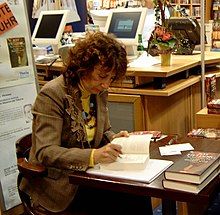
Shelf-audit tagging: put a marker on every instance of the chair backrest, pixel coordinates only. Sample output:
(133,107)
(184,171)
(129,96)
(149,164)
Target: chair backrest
(23,146)
(26,170)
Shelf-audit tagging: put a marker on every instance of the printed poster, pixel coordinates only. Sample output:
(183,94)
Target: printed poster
(15,122)
(42,5)
(16,58)
(17,93)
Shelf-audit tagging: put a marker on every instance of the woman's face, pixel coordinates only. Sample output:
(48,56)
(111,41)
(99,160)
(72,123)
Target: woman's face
(98,80)
(149,4)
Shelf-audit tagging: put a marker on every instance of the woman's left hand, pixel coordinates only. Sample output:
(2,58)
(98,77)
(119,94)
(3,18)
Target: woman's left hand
(121,134)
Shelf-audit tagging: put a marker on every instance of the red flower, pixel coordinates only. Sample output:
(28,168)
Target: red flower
(167,36)
(159,31)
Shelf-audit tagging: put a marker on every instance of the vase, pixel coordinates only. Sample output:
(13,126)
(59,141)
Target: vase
(165,59)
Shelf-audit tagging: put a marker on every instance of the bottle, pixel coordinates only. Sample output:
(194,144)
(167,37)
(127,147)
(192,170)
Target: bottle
(140,46)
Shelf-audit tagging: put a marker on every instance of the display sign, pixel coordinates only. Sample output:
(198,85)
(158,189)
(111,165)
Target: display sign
(7,19)
(17,93)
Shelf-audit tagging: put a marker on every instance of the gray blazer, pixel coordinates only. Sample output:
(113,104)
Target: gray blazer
(59,142)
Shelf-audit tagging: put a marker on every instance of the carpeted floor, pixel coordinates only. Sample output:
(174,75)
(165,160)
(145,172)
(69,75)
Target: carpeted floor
(214,208)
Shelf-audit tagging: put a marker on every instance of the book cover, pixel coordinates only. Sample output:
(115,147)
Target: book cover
(17,52)
(205,132)
(215,103)
(194,167)
(190,187)
(210,87)
(135,153)
(213,110)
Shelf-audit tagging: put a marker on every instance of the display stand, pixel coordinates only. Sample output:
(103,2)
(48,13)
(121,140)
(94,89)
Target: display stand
(17,94)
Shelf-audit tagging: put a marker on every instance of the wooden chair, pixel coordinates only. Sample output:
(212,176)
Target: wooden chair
(26,170)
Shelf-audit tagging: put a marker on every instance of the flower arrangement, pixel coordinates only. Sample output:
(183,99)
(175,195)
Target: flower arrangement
(162,37)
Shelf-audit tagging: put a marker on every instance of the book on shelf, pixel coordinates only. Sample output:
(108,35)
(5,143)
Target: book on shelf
(135,153)
(214,106)
(127,82)
(190,187)
(215,103)
(194,167)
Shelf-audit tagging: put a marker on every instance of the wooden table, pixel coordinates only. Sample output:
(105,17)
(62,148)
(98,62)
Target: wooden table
(155,189)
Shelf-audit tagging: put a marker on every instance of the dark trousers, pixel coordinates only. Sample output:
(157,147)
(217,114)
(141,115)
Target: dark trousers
(90,201)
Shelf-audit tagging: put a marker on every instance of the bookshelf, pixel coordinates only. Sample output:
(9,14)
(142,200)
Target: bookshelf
(193,7)
(216,25)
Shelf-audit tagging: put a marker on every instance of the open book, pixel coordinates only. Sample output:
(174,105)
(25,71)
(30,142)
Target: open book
(135,153)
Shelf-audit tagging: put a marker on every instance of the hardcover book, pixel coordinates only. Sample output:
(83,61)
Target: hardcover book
(214,106)
(135,153)
(190,187)
(215,103)
(194,167)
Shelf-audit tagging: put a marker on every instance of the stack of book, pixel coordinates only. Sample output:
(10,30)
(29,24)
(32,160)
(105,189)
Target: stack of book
(192,172)
(214,106)
(205,132)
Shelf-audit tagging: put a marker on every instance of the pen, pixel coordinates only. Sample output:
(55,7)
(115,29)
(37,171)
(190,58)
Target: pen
(170,142)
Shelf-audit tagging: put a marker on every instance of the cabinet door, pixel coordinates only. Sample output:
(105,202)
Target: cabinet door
(126,112)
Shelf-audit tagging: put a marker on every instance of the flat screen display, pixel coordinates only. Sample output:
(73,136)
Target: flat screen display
(49,26)
(124,25)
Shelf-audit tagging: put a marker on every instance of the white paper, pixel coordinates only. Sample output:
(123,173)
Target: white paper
(153,169)
(144,60)
(175,149)
(9,191)
(15,121)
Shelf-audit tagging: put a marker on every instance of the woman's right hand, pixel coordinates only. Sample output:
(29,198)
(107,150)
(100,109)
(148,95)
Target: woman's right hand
(107,153)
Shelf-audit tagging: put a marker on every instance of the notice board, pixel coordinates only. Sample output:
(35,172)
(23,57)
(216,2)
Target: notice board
(18,89)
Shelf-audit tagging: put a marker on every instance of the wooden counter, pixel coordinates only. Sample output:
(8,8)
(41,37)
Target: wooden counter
(172,109)
(179,64)
(205,120)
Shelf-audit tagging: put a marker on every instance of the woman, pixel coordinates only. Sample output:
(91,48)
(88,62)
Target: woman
(71,130)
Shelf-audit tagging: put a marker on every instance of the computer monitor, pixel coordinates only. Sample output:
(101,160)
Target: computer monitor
(187,31)
(49,28)
(126,24)
(99,18)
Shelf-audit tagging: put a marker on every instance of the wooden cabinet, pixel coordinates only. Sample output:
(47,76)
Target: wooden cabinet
(193,7)
(205,120)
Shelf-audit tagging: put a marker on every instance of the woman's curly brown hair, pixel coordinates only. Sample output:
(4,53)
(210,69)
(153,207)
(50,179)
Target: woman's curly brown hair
(96,49)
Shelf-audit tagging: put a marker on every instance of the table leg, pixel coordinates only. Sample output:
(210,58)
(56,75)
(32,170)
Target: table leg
(197,209)
(168,207)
